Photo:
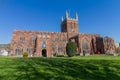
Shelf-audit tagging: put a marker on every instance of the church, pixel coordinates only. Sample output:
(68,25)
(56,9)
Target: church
(48,44)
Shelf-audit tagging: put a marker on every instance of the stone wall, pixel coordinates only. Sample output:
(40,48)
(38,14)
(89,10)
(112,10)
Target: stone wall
(52,40)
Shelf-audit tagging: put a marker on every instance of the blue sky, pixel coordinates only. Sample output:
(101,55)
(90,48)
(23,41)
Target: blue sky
(95,16)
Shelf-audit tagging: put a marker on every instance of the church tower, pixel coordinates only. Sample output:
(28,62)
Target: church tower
(70,25)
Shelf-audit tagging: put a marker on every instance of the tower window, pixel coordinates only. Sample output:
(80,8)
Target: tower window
(71,26)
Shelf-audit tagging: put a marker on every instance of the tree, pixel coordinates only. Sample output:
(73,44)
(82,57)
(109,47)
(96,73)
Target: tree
(8,48)
(118,50)
(71,48)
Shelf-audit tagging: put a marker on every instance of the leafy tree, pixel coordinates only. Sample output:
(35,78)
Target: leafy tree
(118,50)
(8,48)
(71,48)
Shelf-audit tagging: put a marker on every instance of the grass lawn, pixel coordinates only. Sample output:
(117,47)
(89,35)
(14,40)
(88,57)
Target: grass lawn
(62,68)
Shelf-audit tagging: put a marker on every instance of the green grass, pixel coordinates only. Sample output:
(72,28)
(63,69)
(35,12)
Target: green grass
(62,68)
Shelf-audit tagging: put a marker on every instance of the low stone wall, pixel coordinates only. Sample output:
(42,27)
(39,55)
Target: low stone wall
(86,54)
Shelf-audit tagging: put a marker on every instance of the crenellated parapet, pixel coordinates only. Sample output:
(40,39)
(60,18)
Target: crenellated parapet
(68,18)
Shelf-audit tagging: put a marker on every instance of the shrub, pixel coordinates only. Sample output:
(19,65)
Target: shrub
(71,48)
(25,54)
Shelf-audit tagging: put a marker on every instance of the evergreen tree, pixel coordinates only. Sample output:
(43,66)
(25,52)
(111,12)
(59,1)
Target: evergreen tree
(71,48)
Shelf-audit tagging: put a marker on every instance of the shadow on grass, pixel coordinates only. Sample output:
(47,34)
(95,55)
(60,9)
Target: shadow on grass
(65,69)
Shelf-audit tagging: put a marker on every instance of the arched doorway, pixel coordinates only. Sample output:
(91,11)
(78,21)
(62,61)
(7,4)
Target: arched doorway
(44,53)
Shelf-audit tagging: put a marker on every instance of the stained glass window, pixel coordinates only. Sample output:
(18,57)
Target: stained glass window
(30,50)
(56,39)
(32,39)
(85,44)
(19,51)
(44,44)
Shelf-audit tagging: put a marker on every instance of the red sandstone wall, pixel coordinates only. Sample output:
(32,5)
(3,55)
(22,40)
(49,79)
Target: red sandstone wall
(50,39)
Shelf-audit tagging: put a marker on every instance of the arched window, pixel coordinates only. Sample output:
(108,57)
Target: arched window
(53,47)
(19,51)
(53,50)
(63,39)
(30,50)
(22,38)
(44,44)
(32,38)
(56,39)
(71,25)
(85,44)
(60,50)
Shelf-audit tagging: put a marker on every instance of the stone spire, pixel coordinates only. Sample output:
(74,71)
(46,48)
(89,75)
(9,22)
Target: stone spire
(62,19)
(76,16)
(67,15)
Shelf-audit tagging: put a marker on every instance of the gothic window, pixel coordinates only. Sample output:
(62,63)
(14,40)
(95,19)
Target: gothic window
(19,51)
(53,50)
(44,44)
(56,39)
(59,50)
(22,38)
(85,44)
(32,39)
(63,39)
(72,27)
(30,50)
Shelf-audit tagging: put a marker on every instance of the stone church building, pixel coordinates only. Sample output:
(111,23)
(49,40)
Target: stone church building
(48,44)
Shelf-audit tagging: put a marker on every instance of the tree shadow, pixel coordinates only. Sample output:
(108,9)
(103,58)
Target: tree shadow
(65,69)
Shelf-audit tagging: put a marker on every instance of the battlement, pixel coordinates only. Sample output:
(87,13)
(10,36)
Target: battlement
(67,17)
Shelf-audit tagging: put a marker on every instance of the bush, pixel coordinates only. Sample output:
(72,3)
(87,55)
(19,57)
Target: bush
(71,48)
(25,54)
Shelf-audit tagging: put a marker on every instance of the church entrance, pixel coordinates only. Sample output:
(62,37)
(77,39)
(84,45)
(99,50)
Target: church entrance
(44,53)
